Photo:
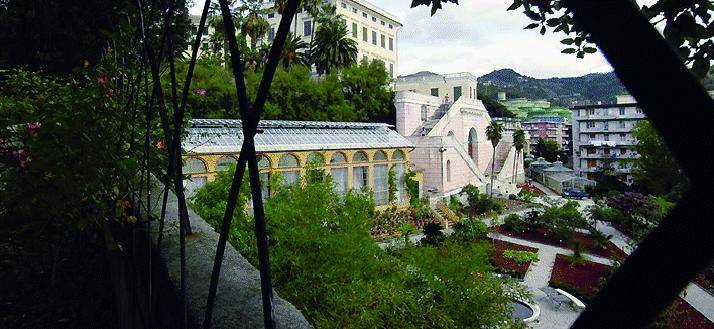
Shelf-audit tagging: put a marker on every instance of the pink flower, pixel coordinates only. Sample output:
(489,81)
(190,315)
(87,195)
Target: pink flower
(110,91)
(31,129)
(201,92)
(21,157)
(102,80)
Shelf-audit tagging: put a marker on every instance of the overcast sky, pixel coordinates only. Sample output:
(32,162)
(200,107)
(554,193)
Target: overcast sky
(480,36)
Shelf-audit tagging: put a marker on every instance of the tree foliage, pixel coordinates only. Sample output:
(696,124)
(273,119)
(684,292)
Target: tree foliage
(549,150)
(656,171)
(332,48)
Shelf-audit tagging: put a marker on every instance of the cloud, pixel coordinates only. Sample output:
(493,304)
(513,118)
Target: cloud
(479,37)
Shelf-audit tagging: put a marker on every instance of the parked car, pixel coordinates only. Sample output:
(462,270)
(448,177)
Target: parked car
(574,194)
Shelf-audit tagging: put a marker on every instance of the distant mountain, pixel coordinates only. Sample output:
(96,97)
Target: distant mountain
(587,89)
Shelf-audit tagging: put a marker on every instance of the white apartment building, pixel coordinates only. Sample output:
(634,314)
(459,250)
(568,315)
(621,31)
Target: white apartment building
(447,87)
(603,133)
(556,129)
(374,29)
(207,31)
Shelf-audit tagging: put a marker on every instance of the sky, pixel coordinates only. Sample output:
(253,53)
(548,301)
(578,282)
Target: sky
(480,36)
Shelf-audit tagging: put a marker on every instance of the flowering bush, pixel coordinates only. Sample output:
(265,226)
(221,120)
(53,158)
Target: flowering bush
(635,214)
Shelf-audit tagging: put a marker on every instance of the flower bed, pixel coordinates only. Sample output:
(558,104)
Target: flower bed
(542,235)
(583,281)
(387,222)
(706,280)
(508,265)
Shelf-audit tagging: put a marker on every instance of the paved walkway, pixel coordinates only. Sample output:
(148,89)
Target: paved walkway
(545,190)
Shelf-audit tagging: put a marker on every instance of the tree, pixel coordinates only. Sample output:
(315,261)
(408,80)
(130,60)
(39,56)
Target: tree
(218,38)
(254,23)
(494,132)
(688,26)
(293,53)
(549,150)
(495,108)
(519,142)
(332,49)
(367,87)
(656,171)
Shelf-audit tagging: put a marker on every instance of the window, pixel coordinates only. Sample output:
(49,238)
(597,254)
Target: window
(391,69)
(360,157)
(381,184)
(423,113)
(315,163)
(291,176)
(606,137)
(271,33)
(338,158)
(623,137)
(364,15)
(382,41)
(622,124)
(205,30)
(271,15)
(194,166)
(379,156)
(364,34)
(435,92)
(591,112)
(591,150)
(639,111)
(382,22)
(194,30)
(307,28)
(623,151)
(606,151)
(364,58)
(398,155)
(606,125)
(264,163)
(192,184)
(448,170)
(457,93)
(590,124)
(354,30)
(339,178)
(374,19)
(360,178)
(204,47)
(391,43)
(400,175)
(622,111)
(224,163)
(391,26)
(592,163)
(374,38)
(354,10)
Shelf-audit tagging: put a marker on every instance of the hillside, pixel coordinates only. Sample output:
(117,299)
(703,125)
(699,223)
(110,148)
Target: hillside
(590,88)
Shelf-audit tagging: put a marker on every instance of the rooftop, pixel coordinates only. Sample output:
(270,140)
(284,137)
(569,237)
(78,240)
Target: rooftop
(226,136)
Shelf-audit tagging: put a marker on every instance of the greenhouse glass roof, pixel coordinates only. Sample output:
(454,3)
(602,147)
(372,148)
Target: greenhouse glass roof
(226,136)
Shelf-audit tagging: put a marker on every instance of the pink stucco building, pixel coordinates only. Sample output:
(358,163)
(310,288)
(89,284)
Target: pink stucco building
(450,144)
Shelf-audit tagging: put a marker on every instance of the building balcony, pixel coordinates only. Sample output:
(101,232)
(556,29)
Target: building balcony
(592,117)
(605,130)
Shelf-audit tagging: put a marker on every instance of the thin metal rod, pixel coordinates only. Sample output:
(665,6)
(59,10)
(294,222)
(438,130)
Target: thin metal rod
(249,124)
(681,246)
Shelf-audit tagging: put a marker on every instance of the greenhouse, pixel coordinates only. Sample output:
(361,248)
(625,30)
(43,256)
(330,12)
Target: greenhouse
(358,156)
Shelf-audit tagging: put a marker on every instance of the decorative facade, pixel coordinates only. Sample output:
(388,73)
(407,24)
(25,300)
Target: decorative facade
(373,29)
(357,156)
(450,143)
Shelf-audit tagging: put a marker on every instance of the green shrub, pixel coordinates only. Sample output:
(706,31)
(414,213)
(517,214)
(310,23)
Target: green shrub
(480,203)
(433,234)
(563,220)
(516,223)
(470,230)
(521,256)
(322,241)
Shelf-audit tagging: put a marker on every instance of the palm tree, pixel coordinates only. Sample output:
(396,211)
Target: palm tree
(494,132)
(218,39)
(314,9)
(293,53)
(332,48)
(254,23)
(519,142)
(280,6)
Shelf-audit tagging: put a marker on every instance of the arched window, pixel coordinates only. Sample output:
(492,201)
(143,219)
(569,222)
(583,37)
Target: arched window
(194,166)
(288,161)
(360,157)
(448,170)
(423,113)
(316,159)
(338,157)
(399,170)
(379,156)
(473,143)
(398,155)
(225,162)
(381,184)
(263,162)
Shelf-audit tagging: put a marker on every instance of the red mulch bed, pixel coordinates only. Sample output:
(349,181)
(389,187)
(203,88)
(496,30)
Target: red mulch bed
(543,236)
(583,281)
(507,264)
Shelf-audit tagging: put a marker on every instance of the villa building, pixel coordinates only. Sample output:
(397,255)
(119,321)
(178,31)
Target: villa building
(556,129)
(358,156)
(207,31)
(373,29)
(449,138)
(602,134)
(447,87)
